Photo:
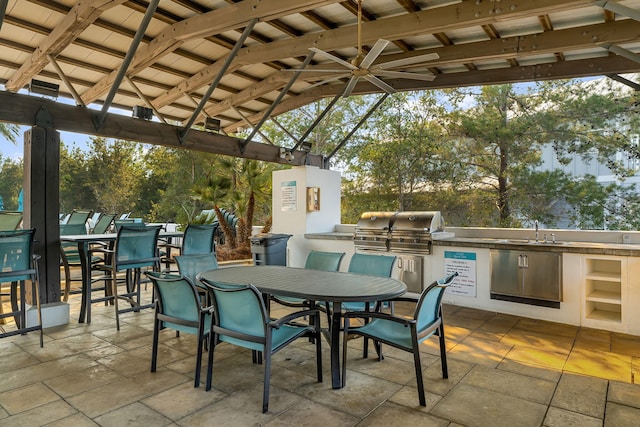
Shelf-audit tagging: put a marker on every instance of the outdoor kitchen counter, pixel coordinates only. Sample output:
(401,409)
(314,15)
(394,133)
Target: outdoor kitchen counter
(593,248)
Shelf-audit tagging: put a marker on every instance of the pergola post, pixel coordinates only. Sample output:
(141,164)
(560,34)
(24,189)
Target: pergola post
(41,201)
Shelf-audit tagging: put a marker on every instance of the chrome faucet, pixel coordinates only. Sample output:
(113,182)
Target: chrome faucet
(536,225)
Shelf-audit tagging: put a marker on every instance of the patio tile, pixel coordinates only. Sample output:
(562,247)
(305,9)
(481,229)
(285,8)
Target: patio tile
(512,384)
(134,414)
(539,340)
(83,380)
(620,415)
(25,398)
(311,414)
(182,400)
(582,394)
(625,345)
(64,346)
(75,420)
(557,417)
(117,394)
(546,328)
(476,350)
(408,396)
(392,415)
(245,409)
(624,394)
(538,357)
(43,371)
(360,395)
(600,364)
(432,376)
(15,358)
(510,365)
(41,415)
(473,406)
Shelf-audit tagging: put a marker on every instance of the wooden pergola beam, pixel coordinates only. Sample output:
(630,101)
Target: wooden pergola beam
(23,109)
(612,64)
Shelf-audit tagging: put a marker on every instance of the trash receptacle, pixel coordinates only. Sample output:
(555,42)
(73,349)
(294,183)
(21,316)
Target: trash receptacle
(269,248)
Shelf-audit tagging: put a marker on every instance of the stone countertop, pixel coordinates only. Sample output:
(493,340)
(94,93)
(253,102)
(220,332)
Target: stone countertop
(592,248)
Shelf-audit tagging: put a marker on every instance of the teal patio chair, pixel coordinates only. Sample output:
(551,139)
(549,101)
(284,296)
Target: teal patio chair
(197,239)
(241,319)
(316,260)
(69,256)
(403,333)
(177,307)
(104,224)
(135,248)
(190,266)
(10,220)
(79,216)
(371,265)
(17,266)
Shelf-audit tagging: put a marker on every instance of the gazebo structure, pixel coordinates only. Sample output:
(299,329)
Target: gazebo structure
(220,65)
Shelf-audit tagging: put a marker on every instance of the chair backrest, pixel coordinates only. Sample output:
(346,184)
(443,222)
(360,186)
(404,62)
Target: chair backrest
(103,224)
(198,239)
(16,255)
(428,307)
(128,222)
(136,247)
(239,310)
(326,261)
(190,265)
(10,220)
(372,265)
(79,217)
(71,229)
(177,299)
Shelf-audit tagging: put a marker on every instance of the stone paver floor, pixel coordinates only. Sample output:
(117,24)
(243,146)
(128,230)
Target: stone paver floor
(503,371)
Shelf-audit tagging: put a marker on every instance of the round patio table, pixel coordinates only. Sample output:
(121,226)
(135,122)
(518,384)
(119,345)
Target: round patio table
(314,285)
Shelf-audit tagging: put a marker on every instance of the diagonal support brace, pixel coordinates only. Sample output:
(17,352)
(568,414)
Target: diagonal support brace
(182,133)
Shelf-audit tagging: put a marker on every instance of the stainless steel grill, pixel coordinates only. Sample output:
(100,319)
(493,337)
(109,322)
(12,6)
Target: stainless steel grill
(407,235)
(412,232)
(372,231)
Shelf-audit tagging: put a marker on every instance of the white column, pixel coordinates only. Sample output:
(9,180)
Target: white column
(291,215)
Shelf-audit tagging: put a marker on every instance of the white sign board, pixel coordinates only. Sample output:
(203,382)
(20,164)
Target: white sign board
(289,196)
(465,264)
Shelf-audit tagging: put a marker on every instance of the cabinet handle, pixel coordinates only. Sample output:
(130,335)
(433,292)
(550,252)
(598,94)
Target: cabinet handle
(525,261)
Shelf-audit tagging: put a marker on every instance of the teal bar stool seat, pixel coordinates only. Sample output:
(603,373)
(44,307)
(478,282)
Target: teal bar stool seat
(135,249)
(18,266)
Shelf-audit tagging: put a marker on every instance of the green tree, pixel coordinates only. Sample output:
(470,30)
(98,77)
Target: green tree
(9,131)
(116,171)
(171,176)
(403,153)
(76,183)
(499,141)
(11,172)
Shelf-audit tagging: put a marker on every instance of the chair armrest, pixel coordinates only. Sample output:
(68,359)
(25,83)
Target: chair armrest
(378,315)
(407,297)
(298,314)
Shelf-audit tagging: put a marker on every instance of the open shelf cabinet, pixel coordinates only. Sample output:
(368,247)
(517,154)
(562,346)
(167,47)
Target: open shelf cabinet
(604,288)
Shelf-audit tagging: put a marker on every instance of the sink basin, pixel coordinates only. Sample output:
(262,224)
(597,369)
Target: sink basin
(528,242)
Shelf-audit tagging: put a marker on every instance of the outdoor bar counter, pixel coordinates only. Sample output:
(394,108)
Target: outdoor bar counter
(600,271)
